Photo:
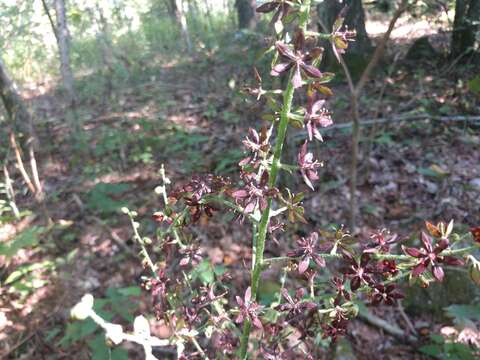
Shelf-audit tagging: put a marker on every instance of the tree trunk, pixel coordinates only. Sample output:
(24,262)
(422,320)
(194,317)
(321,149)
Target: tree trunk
(64,52)
(17,111)
(175,10)
(246,14)
(465,26)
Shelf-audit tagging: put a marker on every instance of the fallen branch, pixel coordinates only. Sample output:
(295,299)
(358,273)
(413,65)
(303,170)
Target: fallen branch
(20,164)
(117,239)
(397,119)
(386,326)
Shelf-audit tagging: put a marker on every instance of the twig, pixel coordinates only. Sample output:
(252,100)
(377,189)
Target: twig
(114,236)
(17,345)
(397,119)
(405,317)
(21,167)
(10,192)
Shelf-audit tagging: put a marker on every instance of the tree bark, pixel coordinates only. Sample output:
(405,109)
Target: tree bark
(175,10)
(63,36)
(17,111)
(246,13)
(465,26)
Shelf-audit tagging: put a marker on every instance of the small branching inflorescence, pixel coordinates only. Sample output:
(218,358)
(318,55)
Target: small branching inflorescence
(207,315)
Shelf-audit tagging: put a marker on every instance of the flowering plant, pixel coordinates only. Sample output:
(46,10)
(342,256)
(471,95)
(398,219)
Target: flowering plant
(205,315)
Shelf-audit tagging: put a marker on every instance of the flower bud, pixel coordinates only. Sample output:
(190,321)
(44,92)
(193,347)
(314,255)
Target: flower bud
(474,270)
(82,310)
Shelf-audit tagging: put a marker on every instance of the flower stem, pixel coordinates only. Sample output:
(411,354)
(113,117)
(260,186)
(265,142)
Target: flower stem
(265,219)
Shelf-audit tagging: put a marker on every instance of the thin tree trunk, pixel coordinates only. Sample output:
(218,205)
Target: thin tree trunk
(52,23)
(246,14)
(17,111)
(355,92)
(64,52)
(183,25)
(465,26)
(175,10)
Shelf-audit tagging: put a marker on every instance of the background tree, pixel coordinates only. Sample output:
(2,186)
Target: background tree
(465,26)
(63,38)
(176,7)
(14,105)
(246,13)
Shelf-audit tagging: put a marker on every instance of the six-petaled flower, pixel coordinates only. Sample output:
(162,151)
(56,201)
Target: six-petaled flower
(431,256)
(386,294)
(307,250)
(294,305)
(248,310)
(316,116)
(360,272)
(308,166)
(254,195)
(298,60)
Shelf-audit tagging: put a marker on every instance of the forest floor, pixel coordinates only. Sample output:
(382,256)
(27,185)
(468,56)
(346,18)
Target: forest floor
(424,166)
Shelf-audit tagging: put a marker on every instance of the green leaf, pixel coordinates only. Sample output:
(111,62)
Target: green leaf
(101,197)
(22,270)
(474,85)
(130,291)
(76,331)
(100,350)
(204,272)
(119,354)
(432,350)
(464,313)
(27,238)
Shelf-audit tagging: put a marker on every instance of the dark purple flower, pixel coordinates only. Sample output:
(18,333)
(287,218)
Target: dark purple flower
(295,306)
(385,294)
(431,256)
(274,226)
(281,8)
(359,272)
(341,38)
(316,115)
(197,209)
(297,59)
(308,166)
(248,310)
(200,186)
(191,255)
(254,195)
(381,242)
(307,250)
(387,267)
(158,289)
(258,144)
(339,285)
(337,328)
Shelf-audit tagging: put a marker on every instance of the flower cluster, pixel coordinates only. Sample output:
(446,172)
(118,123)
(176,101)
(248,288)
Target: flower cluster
(196,298)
